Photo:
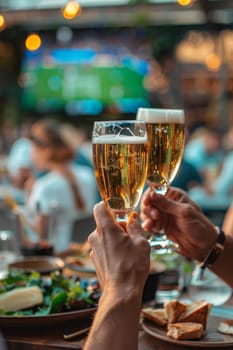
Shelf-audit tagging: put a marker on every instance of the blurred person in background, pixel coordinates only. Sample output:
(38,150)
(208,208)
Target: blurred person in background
(218,192)
(78,139)
(19,164)
(205,152)
(67,189)
(84,144)
(188,176)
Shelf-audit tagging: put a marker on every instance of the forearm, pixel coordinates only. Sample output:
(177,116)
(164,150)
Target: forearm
(222,267)
(228,222)
(116,323)
(41,225)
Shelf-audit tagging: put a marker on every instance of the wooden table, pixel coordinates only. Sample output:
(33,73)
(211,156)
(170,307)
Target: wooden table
(51,337)
(48,340)
(54,340)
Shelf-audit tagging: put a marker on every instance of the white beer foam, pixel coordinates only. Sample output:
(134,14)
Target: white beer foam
(118,139)
(155,115)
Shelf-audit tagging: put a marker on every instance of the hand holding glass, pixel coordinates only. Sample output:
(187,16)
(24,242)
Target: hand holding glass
(120,155)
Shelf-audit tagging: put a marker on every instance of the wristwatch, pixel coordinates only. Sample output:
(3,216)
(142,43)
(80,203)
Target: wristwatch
(215,251)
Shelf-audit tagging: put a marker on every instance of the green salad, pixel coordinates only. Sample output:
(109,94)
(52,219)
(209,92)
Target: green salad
(60,293)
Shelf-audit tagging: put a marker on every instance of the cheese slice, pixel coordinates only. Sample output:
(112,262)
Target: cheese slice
(21,298)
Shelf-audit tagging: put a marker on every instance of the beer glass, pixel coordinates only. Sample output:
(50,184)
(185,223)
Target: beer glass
(120,155)
(165,128)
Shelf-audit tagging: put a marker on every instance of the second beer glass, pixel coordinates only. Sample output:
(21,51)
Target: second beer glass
(165,128)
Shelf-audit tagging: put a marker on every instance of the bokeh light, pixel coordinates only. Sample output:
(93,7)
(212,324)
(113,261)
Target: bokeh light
(184,2)
(33,42)
(71,10)
(213,62)
(2,22)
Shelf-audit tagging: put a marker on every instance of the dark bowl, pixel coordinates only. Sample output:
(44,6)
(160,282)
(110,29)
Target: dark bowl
(42,264)
(37,250)
(152,282)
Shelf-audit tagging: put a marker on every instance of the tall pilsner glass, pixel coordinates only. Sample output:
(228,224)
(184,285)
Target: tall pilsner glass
(165,128)
(120,154)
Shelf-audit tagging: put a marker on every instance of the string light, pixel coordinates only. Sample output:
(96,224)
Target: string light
(33,42)
(71,10)
(184,2)
(2,22)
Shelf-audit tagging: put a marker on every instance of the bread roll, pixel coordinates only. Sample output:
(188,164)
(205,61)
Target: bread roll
(174,309)
(158,316)
(196,312)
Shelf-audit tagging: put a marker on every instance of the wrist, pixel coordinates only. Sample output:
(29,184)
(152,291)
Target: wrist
(208,244)
(121,294)
(222,267)
(215,250)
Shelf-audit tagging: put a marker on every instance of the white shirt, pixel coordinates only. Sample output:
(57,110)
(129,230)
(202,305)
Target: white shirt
(19,156)
(53,195)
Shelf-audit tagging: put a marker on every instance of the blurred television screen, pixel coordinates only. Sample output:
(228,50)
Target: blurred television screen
(87,76)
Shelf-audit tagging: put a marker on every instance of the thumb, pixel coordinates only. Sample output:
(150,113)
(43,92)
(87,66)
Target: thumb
(102,215)
(165,205)
(133,226)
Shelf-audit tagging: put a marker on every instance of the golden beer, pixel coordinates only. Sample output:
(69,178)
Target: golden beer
(166,144)
(165,129)
(120,170)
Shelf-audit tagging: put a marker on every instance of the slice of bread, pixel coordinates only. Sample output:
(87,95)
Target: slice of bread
(158,316)
(174,309)
(185,330)
(226,327)
(196,312)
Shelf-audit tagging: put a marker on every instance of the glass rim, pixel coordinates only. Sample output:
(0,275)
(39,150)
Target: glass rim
(160,115)
(160,110)
(120,121)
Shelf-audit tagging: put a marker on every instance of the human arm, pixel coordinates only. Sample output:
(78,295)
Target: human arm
(41,225)
(222,266)
(20,178)
(185,224)
(228,222)
(121,258)
(38,209)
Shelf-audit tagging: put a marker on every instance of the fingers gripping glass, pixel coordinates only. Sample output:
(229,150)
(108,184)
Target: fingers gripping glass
(120,155)
(165,128)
